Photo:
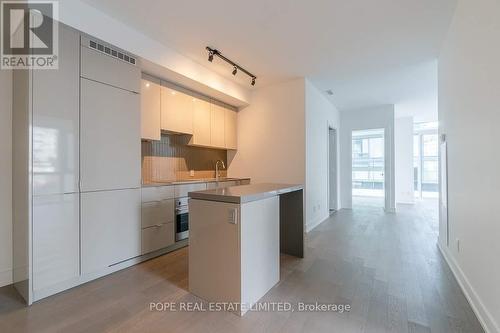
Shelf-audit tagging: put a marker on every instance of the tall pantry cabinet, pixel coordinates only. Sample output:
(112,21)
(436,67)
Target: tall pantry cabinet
(76,169)
(46,173)
(110,160)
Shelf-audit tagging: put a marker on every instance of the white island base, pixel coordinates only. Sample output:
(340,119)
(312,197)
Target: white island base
(234,252)
(236,235)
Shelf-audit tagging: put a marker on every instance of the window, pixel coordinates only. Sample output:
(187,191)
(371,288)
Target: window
(425,160)
(368,163)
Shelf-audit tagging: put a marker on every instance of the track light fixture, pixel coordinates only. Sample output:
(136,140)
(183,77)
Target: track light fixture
(236,67)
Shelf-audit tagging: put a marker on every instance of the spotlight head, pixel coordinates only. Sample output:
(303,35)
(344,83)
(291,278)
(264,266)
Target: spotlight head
(210,56)
(253,81)
(235,70)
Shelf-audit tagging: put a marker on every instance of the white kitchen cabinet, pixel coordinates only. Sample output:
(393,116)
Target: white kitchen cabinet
(56,237)
(157,237)
(217,135)
(103,68)
(176,110)
(110,227)
(155,193)
(230,129)
(56,120)
(234,250)
(150,108)
(157,212)
(110,145)
(201,123)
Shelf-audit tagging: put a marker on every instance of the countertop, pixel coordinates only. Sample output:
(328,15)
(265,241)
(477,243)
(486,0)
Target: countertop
(245,193)
(191,181)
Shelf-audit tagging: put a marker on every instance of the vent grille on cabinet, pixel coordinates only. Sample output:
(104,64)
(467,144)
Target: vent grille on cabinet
(112,52)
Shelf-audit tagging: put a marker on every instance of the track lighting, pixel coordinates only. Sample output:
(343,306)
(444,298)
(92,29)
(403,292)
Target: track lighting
(236,67)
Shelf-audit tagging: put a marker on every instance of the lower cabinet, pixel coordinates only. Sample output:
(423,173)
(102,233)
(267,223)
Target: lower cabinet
(157,237)
(158,215)
(111,228)
(56,238)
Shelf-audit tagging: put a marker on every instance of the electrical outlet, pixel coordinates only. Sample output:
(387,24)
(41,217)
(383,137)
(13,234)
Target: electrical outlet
(191,173)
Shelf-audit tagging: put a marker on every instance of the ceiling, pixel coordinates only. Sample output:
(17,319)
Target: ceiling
(367,52)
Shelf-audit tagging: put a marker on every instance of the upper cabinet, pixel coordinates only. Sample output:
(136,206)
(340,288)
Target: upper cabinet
(214,125)
(217,135)
(201,123)
(176,110)
(169,108)
(150,108)
(230,129)
(99,67)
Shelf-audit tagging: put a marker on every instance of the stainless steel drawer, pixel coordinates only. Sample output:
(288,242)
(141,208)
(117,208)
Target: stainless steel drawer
(157,237)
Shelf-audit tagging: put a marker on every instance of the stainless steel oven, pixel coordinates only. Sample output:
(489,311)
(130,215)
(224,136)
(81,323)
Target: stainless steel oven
(181,219)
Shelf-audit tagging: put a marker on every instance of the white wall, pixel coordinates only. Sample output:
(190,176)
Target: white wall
(86,18)
(320,115)
(5,177)
(271,135)
(366,118)
(469,99)
(403,145)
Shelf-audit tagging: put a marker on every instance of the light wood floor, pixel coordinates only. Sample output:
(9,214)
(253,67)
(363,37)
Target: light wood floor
(387,267)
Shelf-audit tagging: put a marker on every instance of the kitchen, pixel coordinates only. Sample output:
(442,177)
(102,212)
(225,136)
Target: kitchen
(107,153)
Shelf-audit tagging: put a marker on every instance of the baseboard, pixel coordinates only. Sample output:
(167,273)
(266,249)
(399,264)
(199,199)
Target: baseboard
(5,278)
(485,318)
(311,225)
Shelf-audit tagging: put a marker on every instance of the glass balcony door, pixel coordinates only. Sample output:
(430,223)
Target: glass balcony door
(368,163)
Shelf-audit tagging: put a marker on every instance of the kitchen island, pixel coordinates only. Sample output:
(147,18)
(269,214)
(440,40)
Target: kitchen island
(236,236)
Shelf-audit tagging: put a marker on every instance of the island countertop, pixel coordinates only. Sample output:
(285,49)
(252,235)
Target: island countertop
(245,193)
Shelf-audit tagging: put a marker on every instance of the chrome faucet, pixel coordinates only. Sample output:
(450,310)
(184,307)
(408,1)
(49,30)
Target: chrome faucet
(217,171)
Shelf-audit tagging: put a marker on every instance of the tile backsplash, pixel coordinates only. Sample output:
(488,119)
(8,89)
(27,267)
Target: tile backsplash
(172,159)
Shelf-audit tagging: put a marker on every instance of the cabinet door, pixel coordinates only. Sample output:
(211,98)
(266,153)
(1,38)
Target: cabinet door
(110,138)
(150,109)
(176,111)
(56,96)
(154,213)
(201,123)
(230,127)
(157,237)
(56,237)
(103,68)
(217,116)
(111,228)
